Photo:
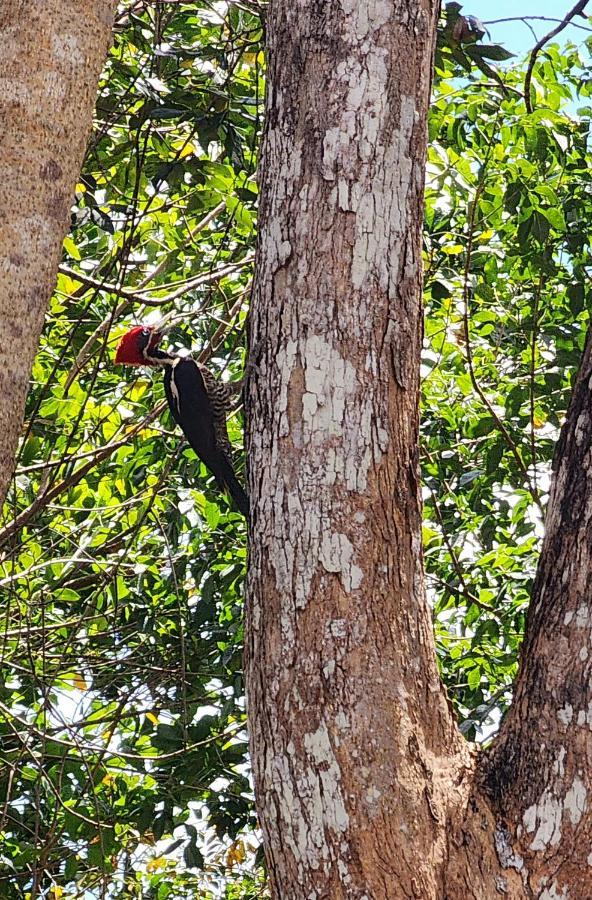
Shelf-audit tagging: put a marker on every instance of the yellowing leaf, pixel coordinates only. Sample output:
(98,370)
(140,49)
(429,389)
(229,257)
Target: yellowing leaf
(140,387)
(236,854)
(428,534)
(152,718)
(80,682)
(71,248)
(184,148)
(143,433)
(155,864)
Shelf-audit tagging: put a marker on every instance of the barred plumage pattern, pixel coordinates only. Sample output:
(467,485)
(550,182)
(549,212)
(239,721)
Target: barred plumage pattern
(219,394)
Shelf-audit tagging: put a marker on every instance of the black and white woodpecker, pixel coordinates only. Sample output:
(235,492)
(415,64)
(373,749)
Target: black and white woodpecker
(198,401)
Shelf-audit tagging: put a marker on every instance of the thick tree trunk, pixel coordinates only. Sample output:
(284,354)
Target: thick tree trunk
(365,789)
(348,716)
(52,54)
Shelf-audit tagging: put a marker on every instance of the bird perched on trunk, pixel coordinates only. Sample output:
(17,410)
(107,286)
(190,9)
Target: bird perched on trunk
(198,402)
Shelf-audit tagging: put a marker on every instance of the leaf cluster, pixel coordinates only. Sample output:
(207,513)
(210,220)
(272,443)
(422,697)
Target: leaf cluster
(507,261)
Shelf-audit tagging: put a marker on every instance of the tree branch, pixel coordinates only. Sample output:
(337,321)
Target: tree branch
(577,9)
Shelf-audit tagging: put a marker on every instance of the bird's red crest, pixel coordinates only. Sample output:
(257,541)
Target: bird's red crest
(130,350)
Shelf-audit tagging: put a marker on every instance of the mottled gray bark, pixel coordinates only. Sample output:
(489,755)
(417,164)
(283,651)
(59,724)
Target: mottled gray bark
(353,744)
(52,54)
(364,787)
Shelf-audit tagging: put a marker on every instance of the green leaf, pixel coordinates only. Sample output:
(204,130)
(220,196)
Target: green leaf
(71,248)
(555,216)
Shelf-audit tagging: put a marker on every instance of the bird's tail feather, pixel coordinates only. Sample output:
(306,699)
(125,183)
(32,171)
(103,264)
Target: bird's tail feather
(228,482)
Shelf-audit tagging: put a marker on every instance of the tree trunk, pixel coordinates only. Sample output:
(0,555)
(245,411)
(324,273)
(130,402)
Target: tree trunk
(347,712)
(365,788)
(539,774)
(52,54)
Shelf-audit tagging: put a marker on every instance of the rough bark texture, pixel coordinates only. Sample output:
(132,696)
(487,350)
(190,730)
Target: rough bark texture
(540,773)
(52,54)
(364,787)
(356,755)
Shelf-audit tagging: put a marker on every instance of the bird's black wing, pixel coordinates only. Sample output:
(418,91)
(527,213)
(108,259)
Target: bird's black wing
(197,414)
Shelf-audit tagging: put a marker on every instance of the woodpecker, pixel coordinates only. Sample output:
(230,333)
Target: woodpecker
(198,402)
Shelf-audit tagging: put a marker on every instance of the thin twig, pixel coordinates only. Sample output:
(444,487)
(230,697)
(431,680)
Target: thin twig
(101,330)
(469,353)
(527,19)
(578,8)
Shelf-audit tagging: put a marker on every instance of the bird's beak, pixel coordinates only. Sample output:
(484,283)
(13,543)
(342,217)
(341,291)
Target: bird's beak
(158,332)
(162,327)
(165,323)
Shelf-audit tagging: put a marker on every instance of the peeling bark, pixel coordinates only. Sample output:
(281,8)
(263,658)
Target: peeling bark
(52,54)
(364,786)
(354,748)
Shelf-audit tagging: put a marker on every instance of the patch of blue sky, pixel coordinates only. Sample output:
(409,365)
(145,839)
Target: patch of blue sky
(519,24)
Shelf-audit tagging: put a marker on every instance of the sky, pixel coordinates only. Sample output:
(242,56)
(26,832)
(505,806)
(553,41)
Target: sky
(516,36)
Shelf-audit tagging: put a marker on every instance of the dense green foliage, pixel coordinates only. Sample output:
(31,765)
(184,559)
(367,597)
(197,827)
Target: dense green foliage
(123,749)
(507,260)
(122,691)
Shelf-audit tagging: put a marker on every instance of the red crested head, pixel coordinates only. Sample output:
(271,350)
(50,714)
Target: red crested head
(134,346)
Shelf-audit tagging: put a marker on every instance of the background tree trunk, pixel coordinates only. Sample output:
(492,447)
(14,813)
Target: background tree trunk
(540,775)
(52,54)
